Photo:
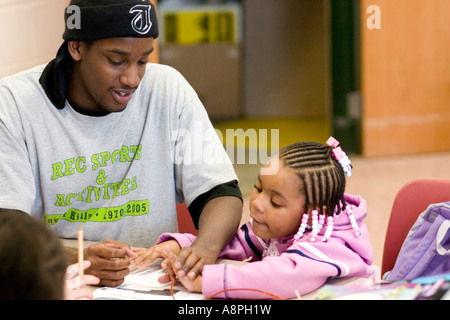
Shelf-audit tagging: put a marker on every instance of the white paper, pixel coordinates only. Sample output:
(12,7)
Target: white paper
(144,285)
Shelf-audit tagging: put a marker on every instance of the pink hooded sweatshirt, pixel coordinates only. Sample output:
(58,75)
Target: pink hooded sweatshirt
(281,266)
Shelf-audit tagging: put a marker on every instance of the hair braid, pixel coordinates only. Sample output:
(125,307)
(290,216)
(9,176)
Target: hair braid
(323,178)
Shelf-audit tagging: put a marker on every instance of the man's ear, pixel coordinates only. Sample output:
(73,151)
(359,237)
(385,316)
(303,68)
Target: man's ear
(75,50)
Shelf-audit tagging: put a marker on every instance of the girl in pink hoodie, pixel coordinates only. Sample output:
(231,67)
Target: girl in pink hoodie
(303,230)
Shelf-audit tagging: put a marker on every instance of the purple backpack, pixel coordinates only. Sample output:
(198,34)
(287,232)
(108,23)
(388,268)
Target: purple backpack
(426,249)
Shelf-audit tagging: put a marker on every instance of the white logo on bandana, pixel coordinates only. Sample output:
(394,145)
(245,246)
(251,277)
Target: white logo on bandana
(141,22)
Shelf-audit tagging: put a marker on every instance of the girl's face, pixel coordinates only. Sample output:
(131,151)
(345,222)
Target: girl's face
(276,204)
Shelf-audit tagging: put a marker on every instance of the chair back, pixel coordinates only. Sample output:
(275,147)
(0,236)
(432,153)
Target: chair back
(185,224)
(412,199)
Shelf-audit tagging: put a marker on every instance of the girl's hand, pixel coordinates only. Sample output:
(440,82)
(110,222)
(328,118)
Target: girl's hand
(74,286)
(145,257)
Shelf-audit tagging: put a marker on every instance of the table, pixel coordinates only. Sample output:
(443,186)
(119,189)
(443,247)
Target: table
(143,285)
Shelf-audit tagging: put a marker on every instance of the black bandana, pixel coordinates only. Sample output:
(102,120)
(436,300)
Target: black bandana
(55,77)
(100,19)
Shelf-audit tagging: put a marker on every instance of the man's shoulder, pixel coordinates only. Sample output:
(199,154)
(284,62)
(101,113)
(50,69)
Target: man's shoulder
(167,77)
(30,75)
(157,69)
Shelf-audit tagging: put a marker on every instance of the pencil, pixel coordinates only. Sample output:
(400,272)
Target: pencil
(80,252)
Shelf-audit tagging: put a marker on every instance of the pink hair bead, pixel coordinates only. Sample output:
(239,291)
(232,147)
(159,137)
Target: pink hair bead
(321,221)
(305,218)
(315,226)
(329,230)
(353,222)
(302,228)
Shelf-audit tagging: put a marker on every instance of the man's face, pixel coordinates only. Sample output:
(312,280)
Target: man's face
(107,72)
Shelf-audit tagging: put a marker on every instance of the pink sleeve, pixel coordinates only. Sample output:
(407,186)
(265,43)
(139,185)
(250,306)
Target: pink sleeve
(183,239)
(280,276)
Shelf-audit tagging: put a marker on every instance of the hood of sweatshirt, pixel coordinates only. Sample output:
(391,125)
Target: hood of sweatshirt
(342,231)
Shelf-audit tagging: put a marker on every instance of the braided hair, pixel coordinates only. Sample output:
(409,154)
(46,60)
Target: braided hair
(322,178)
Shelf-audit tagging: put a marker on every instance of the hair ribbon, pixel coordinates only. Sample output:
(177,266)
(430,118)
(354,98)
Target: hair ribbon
(340,156)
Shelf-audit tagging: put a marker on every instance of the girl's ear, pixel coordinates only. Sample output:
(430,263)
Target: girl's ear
(75,50)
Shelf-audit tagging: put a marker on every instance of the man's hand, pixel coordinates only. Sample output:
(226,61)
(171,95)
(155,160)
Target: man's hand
(110,261)
(190,260)
(192,282)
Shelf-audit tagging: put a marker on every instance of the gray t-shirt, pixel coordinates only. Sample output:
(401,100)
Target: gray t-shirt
(120,175)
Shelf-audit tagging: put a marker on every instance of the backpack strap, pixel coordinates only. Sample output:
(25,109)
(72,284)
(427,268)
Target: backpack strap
(443,235)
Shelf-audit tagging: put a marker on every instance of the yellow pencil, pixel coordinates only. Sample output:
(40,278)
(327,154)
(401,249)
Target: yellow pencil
(80,252)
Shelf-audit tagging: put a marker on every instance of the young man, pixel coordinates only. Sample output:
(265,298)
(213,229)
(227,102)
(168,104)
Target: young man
(101,138)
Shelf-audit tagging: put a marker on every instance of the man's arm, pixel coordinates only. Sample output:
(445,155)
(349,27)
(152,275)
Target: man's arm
(218,223)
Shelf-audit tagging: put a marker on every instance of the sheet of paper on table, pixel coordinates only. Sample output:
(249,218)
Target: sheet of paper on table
(144,285)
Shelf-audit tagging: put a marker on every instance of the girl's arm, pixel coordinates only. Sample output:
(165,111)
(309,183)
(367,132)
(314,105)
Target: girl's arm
(296,269)
(242,246)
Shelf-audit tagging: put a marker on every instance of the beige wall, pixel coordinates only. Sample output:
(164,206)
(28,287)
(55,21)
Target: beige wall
(31,33)
(406,78)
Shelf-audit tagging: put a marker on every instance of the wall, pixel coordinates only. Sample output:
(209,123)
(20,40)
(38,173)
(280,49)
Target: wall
(406,78)
(286,54)
(31,33)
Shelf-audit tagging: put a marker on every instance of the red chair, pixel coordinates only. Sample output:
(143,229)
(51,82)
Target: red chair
(185,224)
(412,199)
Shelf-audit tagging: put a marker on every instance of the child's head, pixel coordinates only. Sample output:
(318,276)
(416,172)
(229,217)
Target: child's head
(32,260)
(308,178)
(322,179)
